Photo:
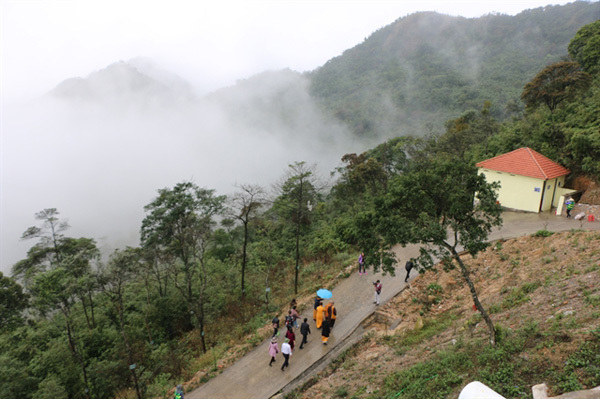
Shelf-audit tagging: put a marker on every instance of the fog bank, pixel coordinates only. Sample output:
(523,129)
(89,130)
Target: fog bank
(100,157)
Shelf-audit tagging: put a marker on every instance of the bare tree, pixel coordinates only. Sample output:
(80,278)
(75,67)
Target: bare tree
(244,206)
(298,192)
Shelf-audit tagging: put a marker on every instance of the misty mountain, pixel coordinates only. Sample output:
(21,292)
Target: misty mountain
(424,69)
(409,77)
(136,83)
(278,102)
(98,148)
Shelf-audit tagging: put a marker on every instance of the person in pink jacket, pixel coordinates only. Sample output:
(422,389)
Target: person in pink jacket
(273,349)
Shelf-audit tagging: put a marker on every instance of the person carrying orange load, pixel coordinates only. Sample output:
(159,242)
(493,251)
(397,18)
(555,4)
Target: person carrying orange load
(331,313)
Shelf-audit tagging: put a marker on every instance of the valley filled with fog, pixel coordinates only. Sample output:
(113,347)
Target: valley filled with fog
(99,148)
(101,137)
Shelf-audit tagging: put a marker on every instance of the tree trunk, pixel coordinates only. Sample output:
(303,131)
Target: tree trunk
(148,302)
(244,257)
(87,319)
(200,321)
(76,354)
(200,313)
(297,257)
(92,308)
(128,346)
(465,273)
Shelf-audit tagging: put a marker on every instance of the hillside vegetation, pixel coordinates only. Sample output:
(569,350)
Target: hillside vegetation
(411,76)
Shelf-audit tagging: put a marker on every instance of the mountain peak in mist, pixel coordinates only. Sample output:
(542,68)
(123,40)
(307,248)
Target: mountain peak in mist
(136,82)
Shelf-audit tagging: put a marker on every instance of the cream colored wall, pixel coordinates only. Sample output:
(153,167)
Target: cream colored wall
(517,192)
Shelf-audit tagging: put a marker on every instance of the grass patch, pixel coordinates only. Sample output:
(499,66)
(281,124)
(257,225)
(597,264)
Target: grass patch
(431,327)
(592,300)
(519,295)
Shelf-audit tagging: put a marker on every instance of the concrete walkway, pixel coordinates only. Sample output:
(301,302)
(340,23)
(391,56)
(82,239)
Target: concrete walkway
(251,376)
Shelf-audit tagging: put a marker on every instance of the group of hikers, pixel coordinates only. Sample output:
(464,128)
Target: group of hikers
(324,318)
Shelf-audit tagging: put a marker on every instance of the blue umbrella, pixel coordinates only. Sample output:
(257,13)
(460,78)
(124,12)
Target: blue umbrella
(323,293)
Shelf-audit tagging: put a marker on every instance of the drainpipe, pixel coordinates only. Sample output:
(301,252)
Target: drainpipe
(543,193)
(554,192)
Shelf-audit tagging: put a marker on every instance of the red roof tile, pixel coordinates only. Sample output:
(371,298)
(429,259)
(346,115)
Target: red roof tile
(525,162)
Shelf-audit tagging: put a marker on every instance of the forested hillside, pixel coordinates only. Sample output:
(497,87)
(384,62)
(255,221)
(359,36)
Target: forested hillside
(409,77)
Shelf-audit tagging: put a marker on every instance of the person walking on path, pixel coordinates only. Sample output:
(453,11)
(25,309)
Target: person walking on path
(295,316)
(378,287)
(331,313)
(361,264)
(179,392)
(409,265)
(325,332)
(289,319)
(570,205)
(273,350)
(316,305)
(275,322)
(286,351)
(290,336)
(304,330)
(320,313)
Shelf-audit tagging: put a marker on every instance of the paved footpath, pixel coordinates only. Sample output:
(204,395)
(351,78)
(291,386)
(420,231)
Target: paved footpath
(252,378)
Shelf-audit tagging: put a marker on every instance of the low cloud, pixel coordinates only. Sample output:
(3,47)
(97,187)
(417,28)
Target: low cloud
(98,150)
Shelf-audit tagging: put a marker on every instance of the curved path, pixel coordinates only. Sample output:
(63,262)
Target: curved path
(252,378)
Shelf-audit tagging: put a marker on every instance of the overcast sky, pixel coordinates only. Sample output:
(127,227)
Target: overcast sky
(209,43)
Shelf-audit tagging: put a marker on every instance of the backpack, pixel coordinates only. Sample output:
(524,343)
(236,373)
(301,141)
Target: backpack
(178,395)
(289,320)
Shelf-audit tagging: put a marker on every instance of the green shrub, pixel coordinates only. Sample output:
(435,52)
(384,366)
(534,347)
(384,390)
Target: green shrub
(434,289)
(519,295)
(341,392)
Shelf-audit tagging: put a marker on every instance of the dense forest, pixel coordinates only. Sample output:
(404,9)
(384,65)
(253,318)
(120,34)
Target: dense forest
(212,269)
(410,77)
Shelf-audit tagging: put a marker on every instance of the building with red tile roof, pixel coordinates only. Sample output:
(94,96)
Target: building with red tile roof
(529,181)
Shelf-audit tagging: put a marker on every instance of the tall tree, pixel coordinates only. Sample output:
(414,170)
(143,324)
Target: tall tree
(50,233)
(444,205)
(121,270)
(244,206)
(54,295)
(180,223)
(47,251)
(467,134)
(297,195)
(57,272)
(554,84)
